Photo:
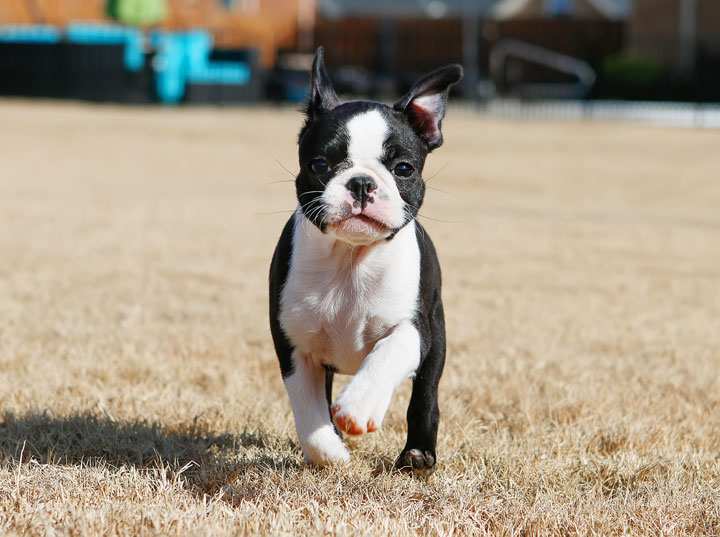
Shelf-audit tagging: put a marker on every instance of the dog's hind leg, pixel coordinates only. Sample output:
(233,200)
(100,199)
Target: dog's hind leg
(329,375)
(307,389)
(423,414)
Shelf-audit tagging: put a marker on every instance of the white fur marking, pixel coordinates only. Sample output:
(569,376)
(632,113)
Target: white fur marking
(340,300)
(367,133)
(350,308)
(306,390)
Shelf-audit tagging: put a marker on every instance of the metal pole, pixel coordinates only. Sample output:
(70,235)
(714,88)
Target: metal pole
(470,56)
(688,35)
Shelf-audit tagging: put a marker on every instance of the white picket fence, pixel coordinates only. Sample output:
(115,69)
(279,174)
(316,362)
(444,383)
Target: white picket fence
(688,115)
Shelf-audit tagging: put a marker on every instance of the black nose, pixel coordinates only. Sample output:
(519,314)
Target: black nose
(360,187)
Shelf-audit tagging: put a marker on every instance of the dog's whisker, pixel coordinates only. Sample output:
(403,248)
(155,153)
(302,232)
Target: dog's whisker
(309,205)
(317,214)
(437,219)
(274,212)
(307,226)
(282,165)
(443,191)
(314,211)
(310,192)
(429,217)
(437,172)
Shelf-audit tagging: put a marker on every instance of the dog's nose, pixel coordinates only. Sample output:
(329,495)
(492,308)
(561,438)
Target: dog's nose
(360,187)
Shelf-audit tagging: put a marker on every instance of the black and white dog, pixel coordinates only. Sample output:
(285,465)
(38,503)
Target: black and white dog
(355,280)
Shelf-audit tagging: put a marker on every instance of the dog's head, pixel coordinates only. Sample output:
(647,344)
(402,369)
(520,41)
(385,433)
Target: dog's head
(361,162)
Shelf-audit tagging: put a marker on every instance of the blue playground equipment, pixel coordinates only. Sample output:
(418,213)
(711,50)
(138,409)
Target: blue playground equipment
(110,62)
(184,58)
(29,33)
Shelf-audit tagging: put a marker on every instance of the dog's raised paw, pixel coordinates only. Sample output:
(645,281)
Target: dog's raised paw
(418,463)
(361,406)
(349,424)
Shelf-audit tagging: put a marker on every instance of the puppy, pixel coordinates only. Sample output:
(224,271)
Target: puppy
(355,280)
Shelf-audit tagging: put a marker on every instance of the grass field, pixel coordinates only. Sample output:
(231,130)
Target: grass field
(140,393)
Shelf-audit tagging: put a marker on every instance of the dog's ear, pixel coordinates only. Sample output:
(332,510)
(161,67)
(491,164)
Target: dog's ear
(322,94)
(424,104)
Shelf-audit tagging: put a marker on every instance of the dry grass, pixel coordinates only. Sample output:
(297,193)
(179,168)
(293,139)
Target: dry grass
(141,395)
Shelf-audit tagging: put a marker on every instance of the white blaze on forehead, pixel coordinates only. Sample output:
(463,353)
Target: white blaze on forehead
(367,132)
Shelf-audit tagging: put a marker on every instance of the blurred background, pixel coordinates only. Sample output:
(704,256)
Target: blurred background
(590,54)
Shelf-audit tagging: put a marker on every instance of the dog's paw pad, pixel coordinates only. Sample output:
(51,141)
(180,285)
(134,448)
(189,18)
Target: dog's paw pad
(348,425)
(351,425)
(418,463)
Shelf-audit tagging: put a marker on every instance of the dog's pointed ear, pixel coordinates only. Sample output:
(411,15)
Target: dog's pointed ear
(322,94)
(424,104)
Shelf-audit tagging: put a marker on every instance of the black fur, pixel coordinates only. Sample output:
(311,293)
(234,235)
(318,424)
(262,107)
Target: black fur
(279,268)
(423,414)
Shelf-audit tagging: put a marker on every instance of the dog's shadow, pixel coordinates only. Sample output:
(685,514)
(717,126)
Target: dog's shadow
(205,460)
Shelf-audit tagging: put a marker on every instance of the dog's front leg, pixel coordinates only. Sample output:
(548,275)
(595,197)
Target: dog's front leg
(361,406)
(320,443)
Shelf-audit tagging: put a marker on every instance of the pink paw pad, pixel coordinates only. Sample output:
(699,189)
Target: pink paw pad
(348,424)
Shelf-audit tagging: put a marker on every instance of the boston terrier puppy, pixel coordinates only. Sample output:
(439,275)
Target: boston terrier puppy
(355,280)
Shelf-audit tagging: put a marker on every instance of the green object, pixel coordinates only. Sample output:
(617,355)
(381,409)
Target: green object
(633,69)
(137,12)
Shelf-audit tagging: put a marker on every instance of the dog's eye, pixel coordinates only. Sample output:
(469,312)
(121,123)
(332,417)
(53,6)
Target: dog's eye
(319,166)
(403,170)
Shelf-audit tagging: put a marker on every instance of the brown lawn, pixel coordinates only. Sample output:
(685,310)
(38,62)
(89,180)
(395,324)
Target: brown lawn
(140,393)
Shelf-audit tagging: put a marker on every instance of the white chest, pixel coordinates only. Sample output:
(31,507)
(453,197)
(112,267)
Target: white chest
(338,301)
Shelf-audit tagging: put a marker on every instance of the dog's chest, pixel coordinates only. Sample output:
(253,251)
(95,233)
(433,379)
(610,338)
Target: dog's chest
(337,304)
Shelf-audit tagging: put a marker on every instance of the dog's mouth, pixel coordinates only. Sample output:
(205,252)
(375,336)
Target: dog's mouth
(360,228)
(363,219)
